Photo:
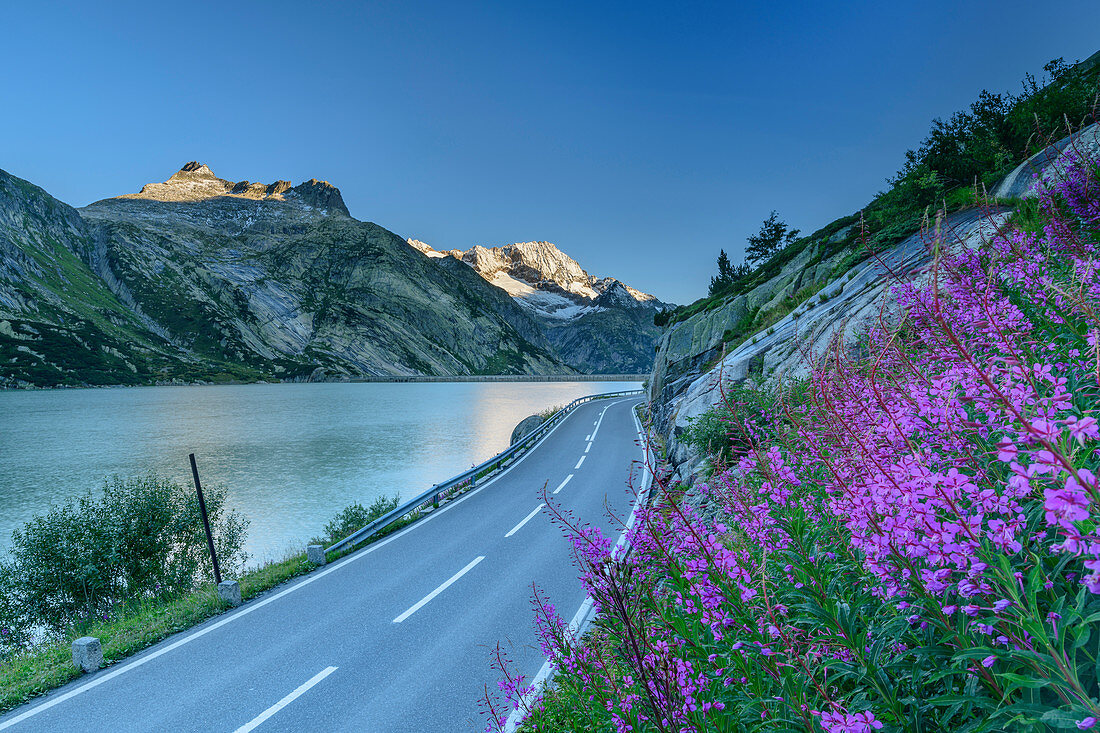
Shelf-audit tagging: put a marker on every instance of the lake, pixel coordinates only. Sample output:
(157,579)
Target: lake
(291,455)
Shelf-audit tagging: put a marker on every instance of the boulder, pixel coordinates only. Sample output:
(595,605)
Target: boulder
(526,425)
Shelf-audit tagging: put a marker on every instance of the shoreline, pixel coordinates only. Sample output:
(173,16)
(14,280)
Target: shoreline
(367,380)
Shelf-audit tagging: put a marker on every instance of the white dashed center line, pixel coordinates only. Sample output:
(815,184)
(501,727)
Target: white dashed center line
(579,463)
(563,483)
(525,520)
(301,690)
(443,586)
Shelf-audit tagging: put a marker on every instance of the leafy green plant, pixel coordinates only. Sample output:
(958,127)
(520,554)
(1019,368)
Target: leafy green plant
(549,412)
(355,516)
(137,538)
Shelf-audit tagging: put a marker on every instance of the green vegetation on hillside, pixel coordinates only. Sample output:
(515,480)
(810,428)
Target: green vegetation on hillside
(953,168)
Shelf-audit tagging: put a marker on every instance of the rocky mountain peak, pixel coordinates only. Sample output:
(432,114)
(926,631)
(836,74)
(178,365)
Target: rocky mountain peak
(617,295)
(194,169)
(542,262)
(319,195)
(542,278)
(195,181)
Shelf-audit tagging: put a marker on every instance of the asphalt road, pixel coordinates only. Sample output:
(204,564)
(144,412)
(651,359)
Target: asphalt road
(394,637)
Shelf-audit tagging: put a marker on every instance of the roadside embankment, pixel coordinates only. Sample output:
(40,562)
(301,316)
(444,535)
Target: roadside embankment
(699,357)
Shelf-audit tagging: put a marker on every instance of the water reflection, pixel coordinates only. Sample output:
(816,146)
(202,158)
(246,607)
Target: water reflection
(291,454)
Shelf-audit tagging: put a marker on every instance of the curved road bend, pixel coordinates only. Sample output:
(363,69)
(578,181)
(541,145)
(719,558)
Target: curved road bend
(394,637)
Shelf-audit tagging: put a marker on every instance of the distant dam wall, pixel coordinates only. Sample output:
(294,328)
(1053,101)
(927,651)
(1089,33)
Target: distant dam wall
(508,378)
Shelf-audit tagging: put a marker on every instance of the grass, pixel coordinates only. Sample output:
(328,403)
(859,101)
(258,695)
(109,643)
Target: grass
(549,412)
(25,676)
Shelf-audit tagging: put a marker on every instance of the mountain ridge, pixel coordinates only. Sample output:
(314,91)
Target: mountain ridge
(600,323)
(522,267)
(203,279)
(195,181)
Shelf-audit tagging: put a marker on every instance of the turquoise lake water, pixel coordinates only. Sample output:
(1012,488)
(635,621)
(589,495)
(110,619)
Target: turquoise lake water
(291,455)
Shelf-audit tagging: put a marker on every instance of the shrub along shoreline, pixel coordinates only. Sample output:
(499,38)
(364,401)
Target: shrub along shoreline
(131,600)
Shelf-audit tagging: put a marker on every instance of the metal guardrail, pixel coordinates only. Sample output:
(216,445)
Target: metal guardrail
(436,493)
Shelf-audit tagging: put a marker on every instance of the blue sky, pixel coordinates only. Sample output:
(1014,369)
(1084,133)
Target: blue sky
(641,138)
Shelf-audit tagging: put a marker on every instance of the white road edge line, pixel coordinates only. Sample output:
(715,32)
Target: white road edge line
(563,483)
(251,725)
(312,577)
(442,587)
(525,520)
(579,463)
(580,618)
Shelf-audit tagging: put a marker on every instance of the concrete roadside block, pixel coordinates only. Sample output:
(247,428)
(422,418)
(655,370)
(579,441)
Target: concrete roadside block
(230,592)
(316,554)
(87,653)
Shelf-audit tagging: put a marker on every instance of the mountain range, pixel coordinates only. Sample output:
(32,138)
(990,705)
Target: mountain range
(203,279)
(598,322)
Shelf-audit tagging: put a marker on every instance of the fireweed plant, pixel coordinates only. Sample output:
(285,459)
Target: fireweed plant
(909,544)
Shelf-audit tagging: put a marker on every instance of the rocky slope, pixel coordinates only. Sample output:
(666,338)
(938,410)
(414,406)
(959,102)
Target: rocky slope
(816,297)
(198,278)
(60,323)
(594,324)
(196,182)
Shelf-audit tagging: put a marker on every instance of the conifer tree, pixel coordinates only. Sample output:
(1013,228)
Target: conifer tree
(773,235)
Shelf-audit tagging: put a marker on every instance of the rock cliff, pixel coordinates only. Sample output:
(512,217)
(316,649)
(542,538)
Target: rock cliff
(815,297)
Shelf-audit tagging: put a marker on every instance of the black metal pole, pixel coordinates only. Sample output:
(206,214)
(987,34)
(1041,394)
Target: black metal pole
(205,521)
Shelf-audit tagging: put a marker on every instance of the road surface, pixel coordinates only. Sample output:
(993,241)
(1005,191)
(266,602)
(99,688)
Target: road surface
(394,637)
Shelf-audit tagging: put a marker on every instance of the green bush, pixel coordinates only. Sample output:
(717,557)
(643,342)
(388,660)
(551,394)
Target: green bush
(720,431)
(355,516)
(136,539)
(549,412)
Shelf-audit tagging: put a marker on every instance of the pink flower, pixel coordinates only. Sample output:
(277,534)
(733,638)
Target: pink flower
(1067,505)
(1083,428)
(1045,429)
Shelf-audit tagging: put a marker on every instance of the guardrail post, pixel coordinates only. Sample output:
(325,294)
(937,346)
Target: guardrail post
(316,554)
(88,653)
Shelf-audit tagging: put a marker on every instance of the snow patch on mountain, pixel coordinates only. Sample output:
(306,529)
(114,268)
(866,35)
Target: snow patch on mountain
(541,302)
